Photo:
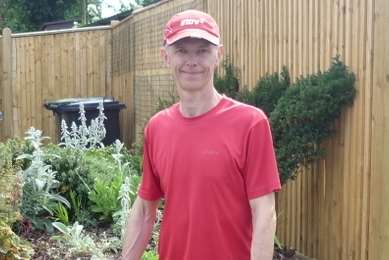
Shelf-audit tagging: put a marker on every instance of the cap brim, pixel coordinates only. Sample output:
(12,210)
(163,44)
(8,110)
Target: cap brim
(193,33)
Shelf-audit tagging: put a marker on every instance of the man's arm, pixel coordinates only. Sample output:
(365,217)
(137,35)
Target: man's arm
(264,227)
(139,227)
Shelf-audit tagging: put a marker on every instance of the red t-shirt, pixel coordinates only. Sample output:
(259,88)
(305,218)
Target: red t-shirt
(207,168)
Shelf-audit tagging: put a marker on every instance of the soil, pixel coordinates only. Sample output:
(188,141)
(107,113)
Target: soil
(46,249)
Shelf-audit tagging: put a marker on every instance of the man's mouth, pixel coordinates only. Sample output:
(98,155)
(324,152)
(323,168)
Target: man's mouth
(192,72)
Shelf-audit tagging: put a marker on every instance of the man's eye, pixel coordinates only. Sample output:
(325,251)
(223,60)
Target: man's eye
(180,51)
(203,50)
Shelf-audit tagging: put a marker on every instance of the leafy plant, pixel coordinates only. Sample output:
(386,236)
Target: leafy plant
(61,214)
(104,197)
(98,163)
(77,242)
(113,193)
(38,182)
(127,195)
(269,90)
(84,137)
(72,174)
(150,255)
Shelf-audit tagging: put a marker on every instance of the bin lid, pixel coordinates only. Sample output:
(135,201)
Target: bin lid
(90,103)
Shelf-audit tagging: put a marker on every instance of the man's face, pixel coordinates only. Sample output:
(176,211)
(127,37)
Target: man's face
(193,62)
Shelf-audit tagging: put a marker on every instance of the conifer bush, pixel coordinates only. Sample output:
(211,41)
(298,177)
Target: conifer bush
(301,114)
(304,116)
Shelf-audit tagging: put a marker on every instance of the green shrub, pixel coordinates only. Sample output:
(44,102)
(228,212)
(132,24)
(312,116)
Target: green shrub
(304,116)
(10,182)
(269,90)
(301,114)
(70,171)
(109,167)
(104,197)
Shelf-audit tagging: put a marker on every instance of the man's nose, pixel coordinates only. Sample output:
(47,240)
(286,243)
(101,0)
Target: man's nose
(191,60)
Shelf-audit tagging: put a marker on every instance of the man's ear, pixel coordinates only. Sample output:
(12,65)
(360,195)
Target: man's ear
(164,56)
(220,53)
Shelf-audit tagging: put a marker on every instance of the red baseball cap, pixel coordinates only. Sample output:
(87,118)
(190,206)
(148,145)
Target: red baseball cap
(191,23)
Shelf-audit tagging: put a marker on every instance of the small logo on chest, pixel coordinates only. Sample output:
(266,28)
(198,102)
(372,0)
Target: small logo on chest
(210,152)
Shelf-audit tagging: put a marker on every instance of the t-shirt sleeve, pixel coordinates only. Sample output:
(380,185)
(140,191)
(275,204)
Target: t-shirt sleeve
(150,188)
(260,171)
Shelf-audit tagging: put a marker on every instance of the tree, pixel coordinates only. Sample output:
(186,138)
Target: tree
(30,15)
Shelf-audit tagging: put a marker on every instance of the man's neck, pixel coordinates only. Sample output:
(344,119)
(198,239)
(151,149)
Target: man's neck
(196,103)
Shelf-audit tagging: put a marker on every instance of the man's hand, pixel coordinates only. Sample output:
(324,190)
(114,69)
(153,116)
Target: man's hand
(264,227)
(139,227)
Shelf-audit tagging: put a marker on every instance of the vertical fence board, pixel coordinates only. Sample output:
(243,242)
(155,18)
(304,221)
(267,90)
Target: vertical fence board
(379,220)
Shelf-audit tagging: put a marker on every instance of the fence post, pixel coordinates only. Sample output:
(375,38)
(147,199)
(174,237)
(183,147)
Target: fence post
(7,92)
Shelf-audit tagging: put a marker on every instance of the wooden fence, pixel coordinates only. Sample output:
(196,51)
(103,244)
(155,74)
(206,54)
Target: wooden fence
(335,209)
(43,66)
(325,212)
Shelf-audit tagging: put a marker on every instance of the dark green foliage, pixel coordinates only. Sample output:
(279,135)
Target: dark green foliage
(108,178)
(72,174)
(104,197)
(269,90)
(90,180)
(304,116)
(228,83)
(29,15)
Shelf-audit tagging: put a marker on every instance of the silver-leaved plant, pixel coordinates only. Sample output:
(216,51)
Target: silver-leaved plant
(84,137)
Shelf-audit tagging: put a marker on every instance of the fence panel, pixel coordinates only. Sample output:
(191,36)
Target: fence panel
(325,212)
(54,65)
(122,62)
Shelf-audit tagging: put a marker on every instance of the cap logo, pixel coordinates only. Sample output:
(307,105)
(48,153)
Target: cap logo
(192,21)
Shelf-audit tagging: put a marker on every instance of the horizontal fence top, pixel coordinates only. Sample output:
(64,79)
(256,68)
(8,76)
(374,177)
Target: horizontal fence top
(62,31)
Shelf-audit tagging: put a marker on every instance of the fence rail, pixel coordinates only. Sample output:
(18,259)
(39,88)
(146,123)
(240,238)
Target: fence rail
(336,208)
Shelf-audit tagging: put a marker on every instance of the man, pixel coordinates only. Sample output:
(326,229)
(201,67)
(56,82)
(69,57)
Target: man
(210,157)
